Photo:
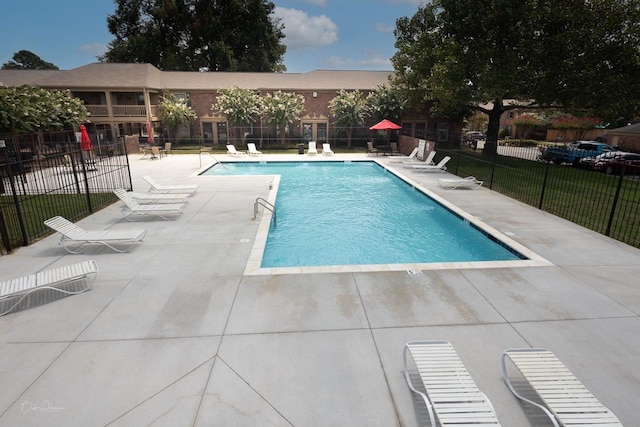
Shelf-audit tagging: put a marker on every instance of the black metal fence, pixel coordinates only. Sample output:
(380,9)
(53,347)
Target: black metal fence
(608,204)
(46,175)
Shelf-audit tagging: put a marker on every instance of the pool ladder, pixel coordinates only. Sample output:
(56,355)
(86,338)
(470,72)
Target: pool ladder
(262,202)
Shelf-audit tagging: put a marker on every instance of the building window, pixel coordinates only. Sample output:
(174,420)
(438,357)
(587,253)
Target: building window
(443,132)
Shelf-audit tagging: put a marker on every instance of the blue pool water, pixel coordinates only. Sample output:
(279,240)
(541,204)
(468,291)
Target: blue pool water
(344,213)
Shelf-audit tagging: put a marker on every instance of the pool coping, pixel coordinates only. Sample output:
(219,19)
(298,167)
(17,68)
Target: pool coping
(254,262)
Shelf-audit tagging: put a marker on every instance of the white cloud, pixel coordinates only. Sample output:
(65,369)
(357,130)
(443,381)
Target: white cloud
(372,59)
(383,28)
(95,49)
(303,31)
(321,3)
(416,2)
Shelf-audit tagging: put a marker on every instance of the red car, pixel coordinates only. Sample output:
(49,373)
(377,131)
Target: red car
(614,164)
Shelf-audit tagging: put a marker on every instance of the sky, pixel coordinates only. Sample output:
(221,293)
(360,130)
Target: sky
(320,34)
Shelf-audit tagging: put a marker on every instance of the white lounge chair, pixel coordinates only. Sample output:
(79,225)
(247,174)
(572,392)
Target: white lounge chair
(252,150)
(165,211)
(565,400)
(69,280)
(177,188)
(73,237)
(451,395)
(468,182)
(326,150)
(427,161)
(231,150)
(156,198)
(399,159)
(312,151)
(440,167)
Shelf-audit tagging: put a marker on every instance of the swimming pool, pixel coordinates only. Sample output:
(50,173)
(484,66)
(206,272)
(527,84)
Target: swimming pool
(338,213)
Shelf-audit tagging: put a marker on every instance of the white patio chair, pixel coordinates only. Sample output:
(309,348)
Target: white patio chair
(156,187)
(231,150)
(74,238)
(157,198)
(68,280)
(565,400)
(326,150)
(313,150)
(451,395)
(253,151)
(413,157)
(132,208)
(468,182)
(440,167)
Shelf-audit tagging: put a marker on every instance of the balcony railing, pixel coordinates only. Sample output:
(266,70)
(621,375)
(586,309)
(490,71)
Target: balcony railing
(98,110)
(129,111)
(120,110)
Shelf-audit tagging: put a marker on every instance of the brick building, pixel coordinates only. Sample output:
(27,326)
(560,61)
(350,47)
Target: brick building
(123,97)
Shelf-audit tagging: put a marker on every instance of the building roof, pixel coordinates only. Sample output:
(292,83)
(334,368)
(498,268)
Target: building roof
(629,129)
(136,76)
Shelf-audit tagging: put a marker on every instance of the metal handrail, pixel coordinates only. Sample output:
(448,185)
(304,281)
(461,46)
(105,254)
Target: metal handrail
(262,202)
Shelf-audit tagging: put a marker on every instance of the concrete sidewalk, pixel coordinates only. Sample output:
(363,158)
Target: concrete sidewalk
(174,334)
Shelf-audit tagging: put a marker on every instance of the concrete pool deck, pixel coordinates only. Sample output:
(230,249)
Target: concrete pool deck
(175,334)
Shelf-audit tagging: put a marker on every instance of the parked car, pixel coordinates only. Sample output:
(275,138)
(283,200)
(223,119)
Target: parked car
(614,164)
(474,135)
(589,162)
(575,152)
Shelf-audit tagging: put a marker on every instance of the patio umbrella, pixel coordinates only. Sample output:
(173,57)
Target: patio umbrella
(386,125)
(149,133)
(85,141)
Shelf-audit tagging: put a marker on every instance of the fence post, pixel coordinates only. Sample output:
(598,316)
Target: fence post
(544,184)
(493,166)
(16,201)
(615,202)
(4,232)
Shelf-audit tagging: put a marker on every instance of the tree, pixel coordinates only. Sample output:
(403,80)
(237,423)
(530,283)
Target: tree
(27,60)
(574,128)
(193,35)
(175,112)
(280,109)
(386,102)
(453,56)
(526,123)
(349,108)
(240,107)
(30,109)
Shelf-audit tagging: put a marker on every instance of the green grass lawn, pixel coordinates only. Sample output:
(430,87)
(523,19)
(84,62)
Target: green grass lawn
(35,209)
(581,196)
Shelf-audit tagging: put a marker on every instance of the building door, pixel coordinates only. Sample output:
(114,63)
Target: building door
(223,137)
(314,131)
(307,132)
(322,132)
(207,133)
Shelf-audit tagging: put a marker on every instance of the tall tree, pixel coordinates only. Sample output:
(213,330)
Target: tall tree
(349,108)
(239,106)
(454,56)
(27,60)
(386,102)
(175,112)
(29,109)
(280,109)
(192,35)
